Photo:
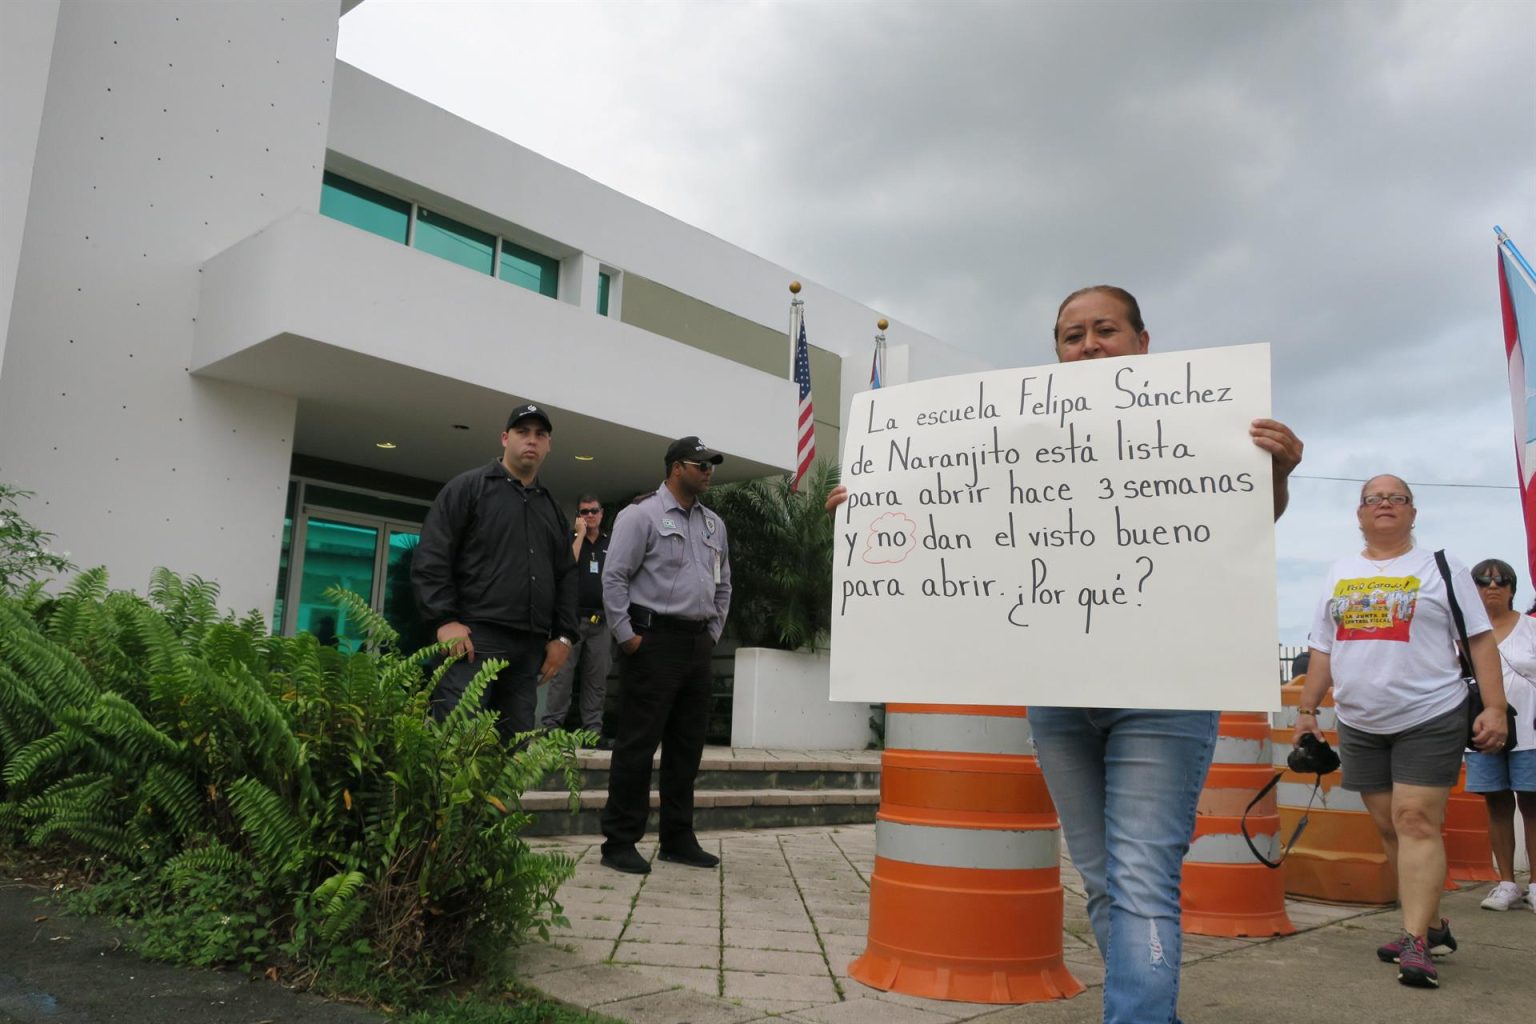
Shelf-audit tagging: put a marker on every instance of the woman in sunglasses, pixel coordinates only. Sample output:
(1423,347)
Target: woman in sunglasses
(1506,778)
(1384,638)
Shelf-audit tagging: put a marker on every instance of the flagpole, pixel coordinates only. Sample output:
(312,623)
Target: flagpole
(796,309)
(1507,243)
(881,325)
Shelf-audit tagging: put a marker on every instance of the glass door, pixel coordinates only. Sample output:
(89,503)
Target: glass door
(335,552)
(362,541)
(398,601)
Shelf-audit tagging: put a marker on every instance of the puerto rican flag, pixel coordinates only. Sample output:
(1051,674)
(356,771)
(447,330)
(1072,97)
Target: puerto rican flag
(806,446)
(1517,296)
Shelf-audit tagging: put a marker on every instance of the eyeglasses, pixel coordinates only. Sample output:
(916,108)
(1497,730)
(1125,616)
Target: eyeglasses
(1490,581)
(589,511)
(1390,499)
(702,467)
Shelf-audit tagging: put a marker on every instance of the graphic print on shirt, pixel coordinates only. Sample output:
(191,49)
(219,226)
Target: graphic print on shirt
(1374,608)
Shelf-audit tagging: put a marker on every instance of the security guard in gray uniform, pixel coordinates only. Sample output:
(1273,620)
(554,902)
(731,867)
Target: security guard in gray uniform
(666,591)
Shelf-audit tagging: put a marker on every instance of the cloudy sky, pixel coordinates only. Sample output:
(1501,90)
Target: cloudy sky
(1321,176)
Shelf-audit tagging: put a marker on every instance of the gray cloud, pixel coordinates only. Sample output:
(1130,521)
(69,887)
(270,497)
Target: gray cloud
(1320,176)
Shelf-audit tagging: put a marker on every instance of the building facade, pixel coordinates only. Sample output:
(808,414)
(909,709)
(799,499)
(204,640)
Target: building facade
(259,305)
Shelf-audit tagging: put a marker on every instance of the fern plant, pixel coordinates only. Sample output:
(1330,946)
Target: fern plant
(256,800)
(781,547)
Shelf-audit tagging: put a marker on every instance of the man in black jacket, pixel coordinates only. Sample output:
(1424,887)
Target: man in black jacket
(494,576)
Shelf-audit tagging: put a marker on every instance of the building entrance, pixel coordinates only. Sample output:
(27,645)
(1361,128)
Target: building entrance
(335,537)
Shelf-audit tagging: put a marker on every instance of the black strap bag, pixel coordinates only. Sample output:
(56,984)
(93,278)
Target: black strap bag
(1475,705)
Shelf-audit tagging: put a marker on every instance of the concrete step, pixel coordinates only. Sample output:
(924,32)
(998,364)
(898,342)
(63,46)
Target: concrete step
(717,772)
(713,809)
(735,789)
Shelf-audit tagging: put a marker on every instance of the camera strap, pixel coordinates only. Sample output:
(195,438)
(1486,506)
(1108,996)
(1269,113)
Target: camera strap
(1290,843)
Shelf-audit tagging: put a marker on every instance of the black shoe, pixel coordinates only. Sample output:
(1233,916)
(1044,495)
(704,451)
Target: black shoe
(626,860)
(694,858)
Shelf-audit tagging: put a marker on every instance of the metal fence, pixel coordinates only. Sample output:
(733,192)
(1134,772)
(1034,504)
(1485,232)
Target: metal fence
(1288,654)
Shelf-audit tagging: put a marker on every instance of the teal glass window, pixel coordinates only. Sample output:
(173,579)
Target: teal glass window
(604,282)
(528,269)
(363,207)
(464,245)
(340,555)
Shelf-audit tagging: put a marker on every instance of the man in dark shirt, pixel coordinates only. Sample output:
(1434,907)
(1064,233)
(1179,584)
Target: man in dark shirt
(493,575)
(593,652)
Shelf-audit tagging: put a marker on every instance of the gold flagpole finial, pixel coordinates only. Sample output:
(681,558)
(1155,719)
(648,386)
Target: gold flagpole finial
(882,323)
(794,287)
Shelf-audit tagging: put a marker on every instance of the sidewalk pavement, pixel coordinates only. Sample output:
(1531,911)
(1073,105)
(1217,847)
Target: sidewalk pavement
(772,930)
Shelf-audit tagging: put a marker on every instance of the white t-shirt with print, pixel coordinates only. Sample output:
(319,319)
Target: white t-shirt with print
(1391,641)
(1517,656)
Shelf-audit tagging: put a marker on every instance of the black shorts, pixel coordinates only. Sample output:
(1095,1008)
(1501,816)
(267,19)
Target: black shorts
(1428,754)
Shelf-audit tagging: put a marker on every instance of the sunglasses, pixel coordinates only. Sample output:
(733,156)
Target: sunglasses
(589,511)
(702,467)
(1390,499)
(1490,581)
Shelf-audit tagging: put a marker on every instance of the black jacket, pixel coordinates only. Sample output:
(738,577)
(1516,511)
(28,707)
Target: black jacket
(493,551)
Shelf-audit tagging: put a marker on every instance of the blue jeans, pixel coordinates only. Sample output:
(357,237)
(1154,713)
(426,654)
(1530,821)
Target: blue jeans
(1126,783)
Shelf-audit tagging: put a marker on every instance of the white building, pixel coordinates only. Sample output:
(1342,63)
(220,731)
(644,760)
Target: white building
(231,268)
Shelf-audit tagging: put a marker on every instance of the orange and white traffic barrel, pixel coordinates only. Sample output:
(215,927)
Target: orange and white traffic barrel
(1227,891)
(1339,857)
(965,902)
(1468,851)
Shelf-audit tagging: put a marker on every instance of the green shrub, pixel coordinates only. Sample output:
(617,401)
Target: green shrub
(260,800)
(25,557)
(781,558)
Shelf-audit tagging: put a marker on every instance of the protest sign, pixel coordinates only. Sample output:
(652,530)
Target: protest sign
(1088,534)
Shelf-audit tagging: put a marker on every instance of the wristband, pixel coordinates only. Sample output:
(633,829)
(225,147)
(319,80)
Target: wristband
(1307,711)
(565,640)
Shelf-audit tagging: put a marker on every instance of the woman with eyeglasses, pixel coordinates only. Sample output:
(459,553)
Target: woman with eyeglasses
(1508,778)
(1401,703)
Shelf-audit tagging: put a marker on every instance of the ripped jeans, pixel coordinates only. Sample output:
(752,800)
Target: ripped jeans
(1126,783)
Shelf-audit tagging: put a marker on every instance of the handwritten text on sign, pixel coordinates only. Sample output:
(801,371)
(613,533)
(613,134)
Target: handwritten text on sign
(1093,534)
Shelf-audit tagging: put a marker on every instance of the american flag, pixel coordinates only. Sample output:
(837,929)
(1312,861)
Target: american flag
(806,447)
(1517,297)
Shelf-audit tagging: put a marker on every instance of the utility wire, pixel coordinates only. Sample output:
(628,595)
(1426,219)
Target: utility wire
(1410,483)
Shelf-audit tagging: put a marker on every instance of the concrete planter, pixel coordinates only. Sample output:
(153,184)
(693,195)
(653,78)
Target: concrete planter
(780,700)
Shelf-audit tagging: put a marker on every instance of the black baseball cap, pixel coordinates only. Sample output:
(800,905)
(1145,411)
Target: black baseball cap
(693,450)
(523,412)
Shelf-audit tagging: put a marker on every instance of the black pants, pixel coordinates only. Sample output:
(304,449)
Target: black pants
(665,701)
(513,694)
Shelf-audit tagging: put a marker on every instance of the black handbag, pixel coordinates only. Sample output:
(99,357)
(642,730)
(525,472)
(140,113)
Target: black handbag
(1474,693)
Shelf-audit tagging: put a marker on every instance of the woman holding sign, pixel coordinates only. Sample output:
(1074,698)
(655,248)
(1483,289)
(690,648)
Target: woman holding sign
(1125,782)
(1385,639)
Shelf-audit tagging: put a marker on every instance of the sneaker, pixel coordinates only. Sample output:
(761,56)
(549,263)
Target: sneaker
(1530,896)
(694,858)
(626,859)
(1441,943)
(1502,896)
(1414,966)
